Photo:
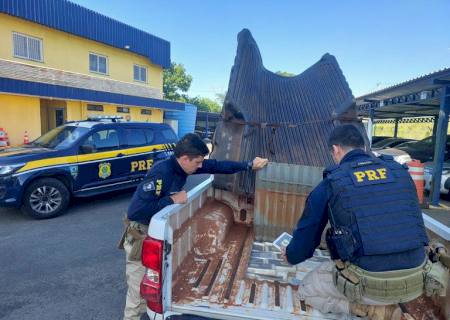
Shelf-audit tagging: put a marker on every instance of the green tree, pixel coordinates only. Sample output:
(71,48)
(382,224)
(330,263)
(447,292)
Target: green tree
(285,74)
(220,98)
(176,82)
(205,104)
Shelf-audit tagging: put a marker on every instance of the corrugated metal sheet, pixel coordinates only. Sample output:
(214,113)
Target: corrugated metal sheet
(280,196)
(285,119)
(75,19)
(54,91)
(186,119)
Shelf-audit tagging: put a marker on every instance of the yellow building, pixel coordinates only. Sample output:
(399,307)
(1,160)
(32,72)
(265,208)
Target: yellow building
(61,62)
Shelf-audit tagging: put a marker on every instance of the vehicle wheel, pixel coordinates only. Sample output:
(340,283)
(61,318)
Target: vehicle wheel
(45,198)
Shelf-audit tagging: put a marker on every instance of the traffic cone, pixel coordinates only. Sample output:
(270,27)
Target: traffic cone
(4,140)
(416,170)
(26,139)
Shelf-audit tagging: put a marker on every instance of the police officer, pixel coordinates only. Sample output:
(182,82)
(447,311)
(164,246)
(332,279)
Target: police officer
(377,237)
(161,187)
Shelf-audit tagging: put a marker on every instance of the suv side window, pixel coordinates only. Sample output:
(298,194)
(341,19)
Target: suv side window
(150,135)
(104,140)
(169,135)
(135,137)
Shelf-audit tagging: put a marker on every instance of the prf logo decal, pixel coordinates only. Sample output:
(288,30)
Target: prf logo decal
(74,171)
(370,175)
(104,170)
(141,165)
(158,187)
(373,176)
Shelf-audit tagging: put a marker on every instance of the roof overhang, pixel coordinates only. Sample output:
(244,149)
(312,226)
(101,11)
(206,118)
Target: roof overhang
(46,90)
(419,97)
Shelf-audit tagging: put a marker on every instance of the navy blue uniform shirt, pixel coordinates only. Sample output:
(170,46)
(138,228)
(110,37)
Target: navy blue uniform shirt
(307,234)
(166,178)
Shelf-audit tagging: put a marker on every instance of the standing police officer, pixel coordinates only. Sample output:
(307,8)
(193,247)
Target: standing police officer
(161,187)
(377,235)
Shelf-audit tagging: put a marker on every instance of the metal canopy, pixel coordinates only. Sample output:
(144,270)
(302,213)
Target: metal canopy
(414,98)
(424,96)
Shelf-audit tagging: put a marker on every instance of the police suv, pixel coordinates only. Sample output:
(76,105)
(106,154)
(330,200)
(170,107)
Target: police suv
(79,159)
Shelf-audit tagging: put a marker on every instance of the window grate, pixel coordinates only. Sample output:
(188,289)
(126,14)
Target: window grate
(146,111)
(94,107)
(27,47)
(98,63)
(139,73)
(123,109)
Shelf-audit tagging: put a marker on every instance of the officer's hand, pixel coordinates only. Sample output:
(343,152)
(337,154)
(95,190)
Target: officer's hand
(259,163)
(179,197)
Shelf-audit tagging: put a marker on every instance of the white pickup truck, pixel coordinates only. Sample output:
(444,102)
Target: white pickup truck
(213,256)
(203,257)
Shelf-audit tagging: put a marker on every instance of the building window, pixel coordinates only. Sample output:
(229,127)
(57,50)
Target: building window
(98,63)
(140,73)
(146,111)
(27,47)
(94,107)
(123,109)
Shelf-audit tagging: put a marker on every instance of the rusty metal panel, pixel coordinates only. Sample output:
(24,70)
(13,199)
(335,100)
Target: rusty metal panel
(280,194)
(284,119)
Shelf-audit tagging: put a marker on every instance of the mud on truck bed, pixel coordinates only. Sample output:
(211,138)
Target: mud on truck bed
(219,270)
(229,268)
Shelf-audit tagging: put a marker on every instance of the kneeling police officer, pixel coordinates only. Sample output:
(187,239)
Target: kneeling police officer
(377,237)
(161,187)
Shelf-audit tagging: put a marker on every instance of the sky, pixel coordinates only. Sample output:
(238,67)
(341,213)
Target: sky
(376,43)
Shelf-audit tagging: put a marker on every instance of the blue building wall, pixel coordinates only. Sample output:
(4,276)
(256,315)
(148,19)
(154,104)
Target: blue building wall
(186,119)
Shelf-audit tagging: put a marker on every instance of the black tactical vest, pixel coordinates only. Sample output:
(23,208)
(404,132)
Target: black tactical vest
(375,202)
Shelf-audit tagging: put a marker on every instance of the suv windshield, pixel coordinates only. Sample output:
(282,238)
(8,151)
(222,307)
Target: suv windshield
(59,138)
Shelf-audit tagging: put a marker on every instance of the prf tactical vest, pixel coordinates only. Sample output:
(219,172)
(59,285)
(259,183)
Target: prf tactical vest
(375,200)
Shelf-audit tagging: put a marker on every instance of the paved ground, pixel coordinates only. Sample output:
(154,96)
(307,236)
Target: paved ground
(442,213)
(67,267)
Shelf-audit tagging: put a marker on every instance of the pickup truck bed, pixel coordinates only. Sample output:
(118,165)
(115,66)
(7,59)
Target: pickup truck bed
(214,267)
(226,271)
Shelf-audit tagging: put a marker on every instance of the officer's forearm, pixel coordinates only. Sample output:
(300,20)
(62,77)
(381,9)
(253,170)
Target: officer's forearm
(164,202)
(295,253)
(232,167)
(225,167)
